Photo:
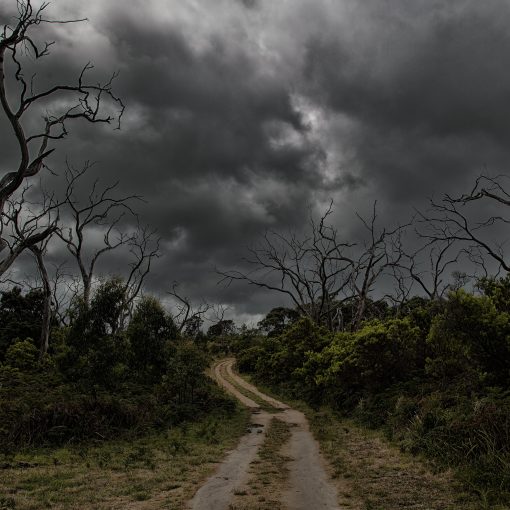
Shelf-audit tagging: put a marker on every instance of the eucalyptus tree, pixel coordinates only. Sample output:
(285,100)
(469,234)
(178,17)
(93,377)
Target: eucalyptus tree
(21,99)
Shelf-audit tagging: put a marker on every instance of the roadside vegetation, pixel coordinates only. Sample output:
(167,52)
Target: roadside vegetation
(372,473)
(433,378)
(108,416)
(161,469)
(98,381)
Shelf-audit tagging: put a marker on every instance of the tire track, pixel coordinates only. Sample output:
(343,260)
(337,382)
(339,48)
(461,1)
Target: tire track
(309,484)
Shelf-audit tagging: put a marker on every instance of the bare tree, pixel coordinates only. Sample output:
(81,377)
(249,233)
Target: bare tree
(63,289)
(24,219)
(427,265)
(377,257)
(311,270)
(101,208)
(80,100)
(23,228)
(143,248)
(188,317)
(402,288)
(38,251)
(455,219)
(319,271)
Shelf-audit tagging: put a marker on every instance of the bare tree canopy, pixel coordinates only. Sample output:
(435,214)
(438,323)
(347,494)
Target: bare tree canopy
(101,208)
(318,271)
(458,219)
(25,223)
(187,316)
(62,103)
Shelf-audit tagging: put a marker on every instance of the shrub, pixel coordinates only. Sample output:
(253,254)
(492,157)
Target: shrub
(148,333)
(471,337)
(288,352)
(22,354)
(20,316)
(372,359)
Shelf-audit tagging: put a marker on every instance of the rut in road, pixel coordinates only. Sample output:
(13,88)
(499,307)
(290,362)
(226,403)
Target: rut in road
(308,485)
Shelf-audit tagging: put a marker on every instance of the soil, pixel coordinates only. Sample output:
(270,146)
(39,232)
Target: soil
(308,485)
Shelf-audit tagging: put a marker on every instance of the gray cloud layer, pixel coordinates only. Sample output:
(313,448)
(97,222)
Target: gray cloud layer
(242,114)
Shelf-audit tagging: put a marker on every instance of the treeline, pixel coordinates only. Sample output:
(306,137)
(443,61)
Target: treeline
(433,374)
(100,378)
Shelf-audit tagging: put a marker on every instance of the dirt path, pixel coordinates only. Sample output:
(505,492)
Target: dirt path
(308,485)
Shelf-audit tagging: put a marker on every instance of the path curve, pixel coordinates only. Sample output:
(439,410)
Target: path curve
(309,486)
(226,366)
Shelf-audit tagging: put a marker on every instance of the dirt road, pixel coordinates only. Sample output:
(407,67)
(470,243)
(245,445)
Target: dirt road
(308,485)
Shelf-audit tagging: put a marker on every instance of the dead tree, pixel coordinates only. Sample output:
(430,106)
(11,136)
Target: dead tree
(456,219)
(14,243)
(101,208)
(318,271)
(427,265)
(62,292)
(38,251)
(143,248)
(80,100)
(24,219)
(377,257)
(188,317)
(311,271)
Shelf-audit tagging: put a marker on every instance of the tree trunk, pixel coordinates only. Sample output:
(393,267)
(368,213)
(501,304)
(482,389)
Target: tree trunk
(87,283)
(46,319)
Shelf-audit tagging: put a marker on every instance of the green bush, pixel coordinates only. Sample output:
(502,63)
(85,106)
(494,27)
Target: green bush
(148,333)
(247,359)
(372,359)
(20,316)
(436,379)
(185,373)
(22,354)
(285,355)
(100,380)
(471,337)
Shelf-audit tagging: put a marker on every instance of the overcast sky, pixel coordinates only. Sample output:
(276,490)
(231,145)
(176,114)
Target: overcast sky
(243,114)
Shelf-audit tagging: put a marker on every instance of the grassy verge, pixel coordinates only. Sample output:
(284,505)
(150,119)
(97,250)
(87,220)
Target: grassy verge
(373,474)
(161,470)
(268,473)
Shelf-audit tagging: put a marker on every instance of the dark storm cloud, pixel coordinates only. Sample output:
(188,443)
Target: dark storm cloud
(213,108)
(250,4)
(243,114)
(427,88)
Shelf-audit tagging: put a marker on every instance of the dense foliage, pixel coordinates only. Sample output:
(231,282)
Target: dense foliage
(434,375)
(20,317)
(101,377)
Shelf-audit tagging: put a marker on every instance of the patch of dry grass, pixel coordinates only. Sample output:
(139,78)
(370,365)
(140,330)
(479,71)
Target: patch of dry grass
(158,471)
(372,474)
(268,473)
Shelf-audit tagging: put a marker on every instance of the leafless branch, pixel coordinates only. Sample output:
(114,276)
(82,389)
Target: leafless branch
(101,208)
(453,219)
(188,317)
(318,271)
(83,100)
